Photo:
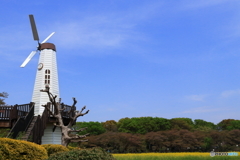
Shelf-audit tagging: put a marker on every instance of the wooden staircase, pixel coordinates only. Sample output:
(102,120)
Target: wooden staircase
(24,125)
(27,135)
(22,122)
(36,128)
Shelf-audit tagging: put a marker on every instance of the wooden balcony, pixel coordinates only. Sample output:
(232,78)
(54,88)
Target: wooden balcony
(20,118)
(10,114)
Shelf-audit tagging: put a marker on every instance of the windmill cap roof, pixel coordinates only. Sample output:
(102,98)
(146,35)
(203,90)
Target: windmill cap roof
(47,46)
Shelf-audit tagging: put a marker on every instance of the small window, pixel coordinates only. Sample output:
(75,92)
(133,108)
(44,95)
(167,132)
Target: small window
(47,76)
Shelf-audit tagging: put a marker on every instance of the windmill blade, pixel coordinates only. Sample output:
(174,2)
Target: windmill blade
(48,37)
(34,28)
(28,58)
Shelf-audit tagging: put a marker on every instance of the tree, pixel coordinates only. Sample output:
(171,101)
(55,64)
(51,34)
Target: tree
(3,95)
(225,124)
(67,130)
(110,125)
(202,125)
(182,123)
(95,128)
(117,142)
(143,125)
(123,125)
(234,125)
(218,140)
(233,139)
(156,141)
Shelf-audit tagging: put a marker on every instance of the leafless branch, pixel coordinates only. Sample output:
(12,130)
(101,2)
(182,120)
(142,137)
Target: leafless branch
(80,136)
(55,124)
(79,130)
(46,106)
(62,109)
(74,102)
(73,115)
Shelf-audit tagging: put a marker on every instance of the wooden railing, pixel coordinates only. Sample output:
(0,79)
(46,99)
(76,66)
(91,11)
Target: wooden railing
(39,127)
(65,113)
(25,114)
(11,112)
(5,112)
(23,110)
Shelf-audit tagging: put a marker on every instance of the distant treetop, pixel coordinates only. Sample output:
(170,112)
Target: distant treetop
(3,95)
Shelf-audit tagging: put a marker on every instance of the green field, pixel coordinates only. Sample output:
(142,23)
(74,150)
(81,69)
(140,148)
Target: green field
(173,156)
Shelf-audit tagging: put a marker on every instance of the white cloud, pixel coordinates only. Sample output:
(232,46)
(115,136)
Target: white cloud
(201,110)
(118,29)
(196,97)
(230,93)
(97,33)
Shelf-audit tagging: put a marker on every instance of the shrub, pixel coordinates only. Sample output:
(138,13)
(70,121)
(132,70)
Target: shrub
(19,149)
(54,148)
(72,148)
(83,154)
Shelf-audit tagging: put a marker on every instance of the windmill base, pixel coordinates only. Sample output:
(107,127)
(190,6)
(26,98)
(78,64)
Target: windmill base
(51,137)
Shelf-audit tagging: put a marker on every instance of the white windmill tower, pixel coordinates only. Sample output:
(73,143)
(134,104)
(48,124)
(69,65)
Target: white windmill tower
(46,75)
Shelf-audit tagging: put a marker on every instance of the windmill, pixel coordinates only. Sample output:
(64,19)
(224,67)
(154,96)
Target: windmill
(46,75)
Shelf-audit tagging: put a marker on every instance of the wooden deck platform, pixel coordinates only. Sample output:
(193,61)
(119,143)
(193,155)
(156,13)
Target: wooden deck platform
(20,118)
(10,114)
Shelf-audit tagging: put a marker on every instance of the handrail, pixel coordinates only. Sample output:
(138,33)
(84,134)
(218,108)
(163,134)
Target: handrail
(38,126)
(25,117)
(65,113)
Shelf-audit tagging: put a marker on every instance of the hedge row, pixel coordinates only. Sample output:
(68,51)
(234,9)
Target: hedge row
(21,150)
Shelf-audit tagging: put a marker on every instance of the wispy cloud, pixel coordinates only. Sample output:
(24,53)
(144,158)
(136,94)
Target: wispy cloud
(118,29)
(202,3)
(196,97)
(201,110)
(85,34)
(230,93)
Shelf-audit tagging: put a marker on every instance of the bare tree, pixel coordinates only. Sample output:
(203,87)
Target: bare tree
(67,130)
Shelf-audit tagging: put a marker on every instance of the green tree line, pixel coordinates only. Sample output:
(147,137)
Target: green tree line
(155,134)
(143,125)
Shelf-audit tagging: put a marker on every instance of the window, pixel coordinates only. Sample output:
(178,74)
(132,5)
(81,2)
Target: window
(47,76)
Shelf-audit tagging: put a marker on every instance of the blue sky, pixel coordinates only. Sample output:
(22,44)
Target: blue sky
(159,58)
